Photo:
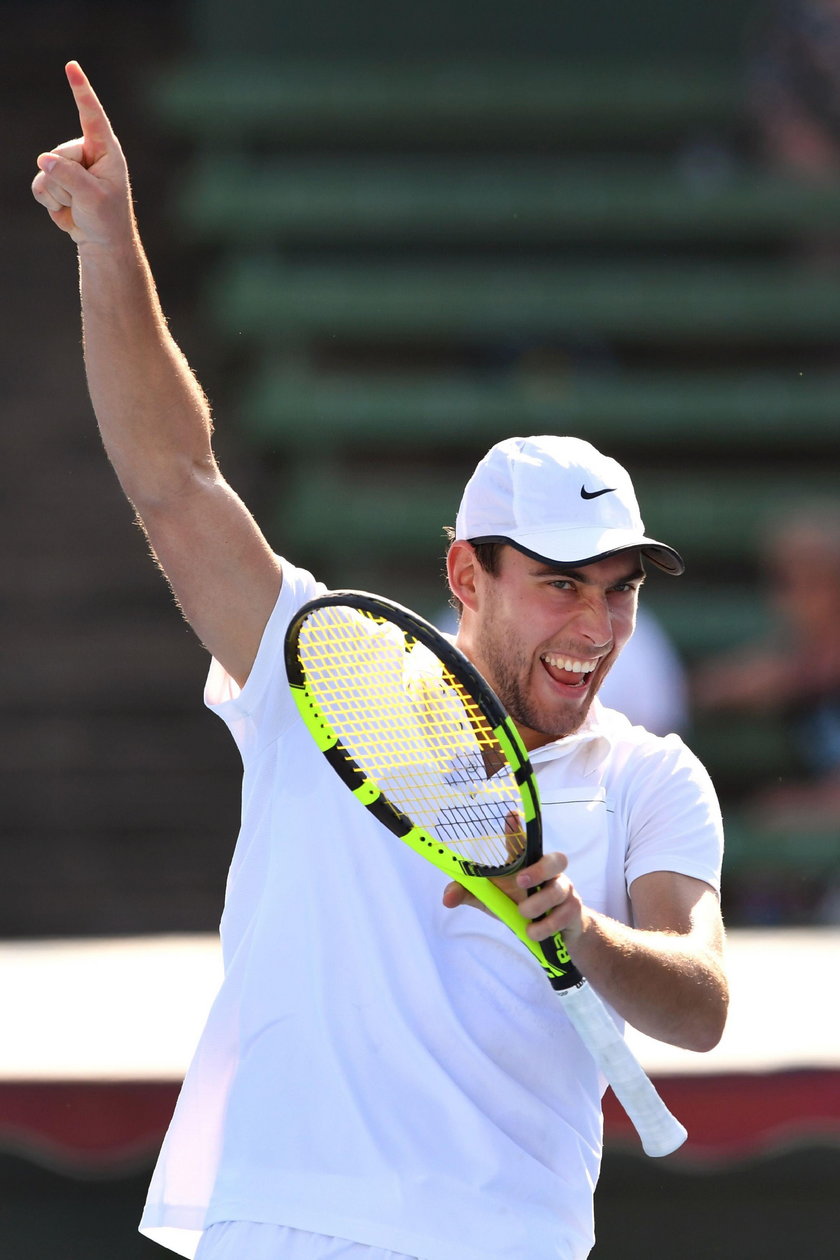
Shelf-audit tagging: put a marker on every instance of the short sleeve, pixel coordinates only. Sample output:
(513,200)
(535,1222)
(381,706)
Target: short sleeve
(264,703)
(675,818)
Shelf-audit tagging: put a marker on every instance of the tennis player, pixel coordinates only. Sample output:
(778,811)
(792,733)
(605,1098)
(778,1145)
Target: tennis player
(385,1072)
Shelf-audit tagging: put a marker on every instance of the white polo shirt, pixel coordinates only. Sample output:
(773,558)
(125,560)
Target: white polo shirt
(376,1067)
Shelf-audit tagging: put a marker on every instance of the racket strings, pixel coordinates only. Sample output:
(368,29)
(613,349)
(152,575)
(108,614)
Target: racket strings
(415,731)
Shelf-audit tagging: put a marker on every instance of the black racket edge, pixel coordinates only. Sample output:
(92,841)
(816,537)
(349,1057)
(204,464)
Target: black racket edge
(416,627)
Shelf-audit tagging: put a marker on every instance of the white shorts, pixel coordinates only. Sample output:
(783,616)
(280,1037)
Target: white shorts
(254,1240)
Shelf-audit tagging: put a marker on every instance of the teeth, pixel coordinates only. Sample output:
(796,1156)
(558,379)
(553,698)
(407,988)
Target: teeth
(571,666)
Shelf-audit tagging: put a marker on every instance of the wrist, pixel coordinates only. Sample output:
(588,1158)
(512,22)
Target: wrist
(119,248)
(582,933)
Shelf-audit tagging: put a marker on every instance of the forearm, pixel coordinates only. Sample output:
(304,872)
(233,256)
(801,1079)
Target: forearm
(152,414)
(663,983)
(666,976)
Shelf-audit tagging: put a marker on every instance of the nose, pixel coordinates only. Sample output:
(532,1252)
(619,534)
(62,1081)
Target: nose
(595,621)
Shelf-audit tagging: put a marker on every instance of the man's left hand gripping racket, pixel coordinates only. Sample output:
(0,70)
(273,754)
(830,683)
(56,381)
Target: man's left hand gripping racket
(421,740)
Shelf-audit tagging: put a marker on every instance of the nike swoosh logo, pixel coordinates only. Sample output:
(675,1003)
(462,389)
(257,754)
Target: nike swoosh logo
(596,494)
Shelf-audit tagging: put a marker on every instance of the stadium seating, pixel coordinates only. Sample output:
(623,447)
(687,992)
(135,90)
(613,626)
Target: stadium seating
(455,290)
(408,261)
(240,197)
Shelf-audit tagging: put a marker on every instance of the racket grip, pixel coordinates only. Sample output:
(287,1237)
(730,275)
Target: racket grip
(660,1132)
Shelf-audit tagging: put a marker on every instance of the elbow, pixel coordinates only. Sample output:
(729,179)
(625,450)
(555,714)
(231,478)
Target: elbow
(707,1036)
(704,1030)
(156,488)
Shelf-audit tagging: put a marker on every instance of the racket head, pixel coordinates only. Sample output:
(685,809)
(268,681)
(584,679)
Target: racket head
(415,732)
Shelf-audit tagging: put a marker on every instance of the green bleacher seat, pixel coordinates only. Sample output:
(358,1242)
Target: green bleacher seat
(514,201)
(803,851)
(738,749)
(493,102)
(655,302)
(767,410)
(703,618)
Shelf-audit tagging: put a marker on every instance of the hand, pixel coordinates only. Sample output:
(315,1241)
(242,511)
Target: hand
(83,183)
(557,898)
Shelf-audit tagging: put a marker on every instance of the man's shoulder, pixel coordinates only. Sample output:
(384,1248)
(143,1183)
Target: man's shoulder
(624,745)
(649,763)
(619,730)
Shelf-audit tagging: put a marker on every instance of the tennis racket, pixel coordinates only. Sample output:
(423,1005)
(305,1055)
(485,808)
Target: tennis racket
(421,740)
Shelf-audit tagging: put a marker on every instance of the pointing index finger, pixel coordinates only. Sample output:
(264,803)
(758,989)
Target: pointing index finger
(97,132)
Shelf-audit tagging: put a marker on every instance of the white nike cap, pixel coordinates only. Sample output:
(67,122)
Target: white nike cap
(557,499)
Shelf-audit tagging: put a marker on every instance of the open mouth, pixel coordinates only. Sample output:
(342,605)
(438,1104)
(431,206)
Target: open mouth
(568,670)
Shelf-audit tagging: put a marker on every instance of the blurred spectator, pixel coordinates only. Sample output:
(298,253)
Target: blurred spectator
(648,682)
(795,86)
(796,672)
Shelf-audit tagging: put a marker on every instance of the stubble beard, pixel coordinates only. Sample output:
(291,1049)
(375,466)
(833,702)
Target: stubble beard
(508,678)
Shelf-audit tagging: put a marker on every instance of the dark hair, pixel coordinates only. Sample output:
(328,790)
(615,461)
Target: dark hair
(487,553)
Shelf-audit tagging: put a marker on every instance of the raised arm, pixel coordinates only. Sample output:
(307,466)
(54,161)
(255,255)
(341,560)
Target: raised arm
(153,416)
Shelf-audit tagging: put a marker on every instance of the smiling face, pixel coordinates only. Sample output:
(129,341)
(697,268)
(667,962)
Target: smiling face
(545,636)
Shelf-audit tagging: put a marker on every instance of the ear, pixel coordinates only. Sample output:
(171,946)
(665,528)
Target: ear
(462,570)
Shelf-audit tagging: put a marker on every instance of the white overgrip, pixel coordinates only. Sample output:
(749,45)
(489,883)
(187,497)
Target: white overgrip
(659,1131)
